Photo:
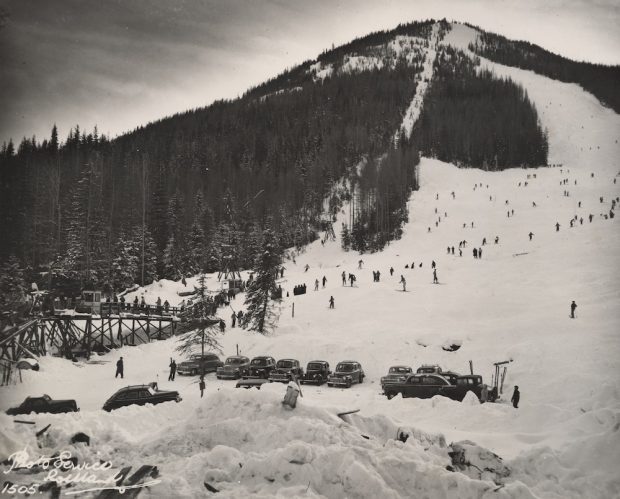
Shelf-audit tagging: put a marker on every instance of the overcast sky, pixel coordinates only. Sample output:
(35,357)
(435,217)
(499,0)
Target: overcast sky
(123,63)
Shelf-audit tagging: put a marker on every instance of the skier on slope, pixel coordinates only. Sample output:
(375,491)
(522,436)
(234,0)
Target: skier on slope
(391,271)
(435,281)
(403,282)
(573,306)
(331,302)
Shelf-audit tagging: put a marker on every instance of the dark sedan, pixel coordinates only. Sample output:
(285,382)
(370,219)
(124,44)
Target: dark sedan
(286,370)
(428,385)
(261,367)
(317,372)
(140,395)
(44,404)
(235,367)
(347,373)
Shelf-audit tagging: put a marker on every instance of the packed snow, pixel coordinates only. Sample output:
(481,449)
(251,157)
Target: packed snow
(511,304)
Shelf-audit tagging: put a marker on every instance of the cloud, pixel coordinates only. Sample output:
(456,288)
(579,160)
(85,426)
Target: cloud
(120,64)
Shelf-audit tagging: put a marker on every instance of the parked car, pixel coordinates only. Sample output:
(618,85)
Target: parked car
(451,376)
(197,362)
(286,370)
(235,367)
(396,373)
(261,367)
(428,385)
(317,372)
(43,404)
(140,395)
(429,369)
(347,373)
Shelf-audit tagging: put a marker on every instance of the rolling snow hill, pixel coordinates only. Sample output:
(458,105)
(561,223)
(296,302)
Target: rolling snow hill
(513,303)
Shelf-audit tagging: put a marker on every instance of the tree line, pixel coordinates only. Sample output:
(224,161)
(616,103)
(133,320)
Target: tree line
(472,118)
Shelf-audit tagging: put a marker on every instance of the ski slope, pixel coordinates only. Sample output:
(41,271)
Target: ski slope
(513,303)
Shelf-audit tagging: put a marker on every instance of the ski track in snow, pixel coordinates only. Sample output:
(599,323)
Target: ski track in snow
(562,442)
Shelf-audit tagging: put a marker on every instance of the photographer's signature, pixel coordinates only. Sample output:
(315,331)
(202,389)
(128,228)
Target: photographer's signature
(64,470)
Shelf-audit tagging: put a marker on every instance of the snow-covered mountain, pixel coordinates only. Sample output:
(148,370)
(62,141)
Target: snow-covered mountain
(510,304)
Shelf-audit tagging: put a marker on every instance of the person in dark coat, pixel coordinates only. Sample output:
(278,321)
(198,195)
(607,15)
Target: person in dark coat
(222,325)
(435,281)
(173,370)
(515,397)
(324,281)
(573,306)
(202,386)
(391,270)
(119,368)
(233,319)
(331,302)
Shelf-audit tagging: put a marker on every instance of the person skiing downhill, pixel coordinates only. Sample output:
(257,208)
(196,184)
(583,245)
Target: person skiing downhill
(573,306)
(516,396)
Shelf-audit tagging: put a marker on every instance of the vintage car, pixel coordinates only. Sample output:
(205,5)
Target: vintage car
(43,404)
(140,395)
(197,362)
(261,367)
(235,367)
(286,370)
(428,385)
(428,369)
(451,376)
(347,373)
(316,373)
(396,373)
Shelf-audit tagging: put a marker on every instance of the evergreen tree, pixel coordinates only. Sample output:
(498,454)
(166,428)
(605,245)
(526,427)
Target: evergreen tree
(262,314)
(13,287)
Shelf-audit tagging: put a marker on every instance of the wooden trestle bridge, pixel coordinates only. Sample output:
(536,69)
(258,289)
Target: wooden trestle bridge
(82,334)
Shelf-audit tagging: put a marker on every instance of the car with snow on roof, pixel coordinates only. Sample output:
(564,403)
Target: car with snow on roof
(140,395)
(347,373)
(235,367)
(198,363)
(427,385)
(261,367)
(396,373)
(317,372)
(285,371)
(43,404)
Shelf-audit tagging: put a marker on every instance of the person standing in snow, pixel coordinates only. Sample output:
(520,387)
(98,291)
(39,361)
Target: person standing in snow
(202,385)
(306,268)
(222,325)
(573,306)
(173,370)
(433,264)
(403,282)
(475,252)
(479,252)
(516,395)
(120,368)
(233,319)
(360,263)
(391,271)
(435,281)
(531,234)
(378,276)
(557,227)
(331,302)
(344,278)
(316,284)
(324,281)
